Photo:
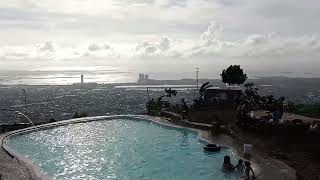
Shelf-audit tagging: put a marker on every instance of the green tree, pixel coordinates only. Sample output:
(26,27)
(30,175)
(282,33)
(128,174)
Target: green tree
(233,75)
(251,91)
(152,107)
(250,96)
(168,93)
(203,88)
(200,100)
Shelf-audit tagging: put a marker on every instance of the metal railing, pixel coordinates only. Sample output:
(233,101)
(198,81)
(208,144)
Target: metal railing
(19,113)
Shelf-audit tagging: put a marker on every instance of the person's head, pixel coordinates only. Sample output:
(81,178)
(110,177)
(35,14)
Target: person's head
(240,161)
(226,159)
(247,164)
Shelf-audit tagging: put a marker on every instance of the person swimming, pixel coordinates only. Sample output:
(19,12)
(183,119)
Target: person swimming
(239,167)
(227,166)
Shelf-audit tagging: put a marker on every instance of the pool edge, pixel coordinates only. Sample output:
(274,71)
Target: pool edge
(40,174)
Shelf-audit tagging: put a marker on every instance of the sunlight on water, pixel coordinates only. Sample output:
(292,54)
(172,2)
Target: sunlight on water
(68,79)
(120,149)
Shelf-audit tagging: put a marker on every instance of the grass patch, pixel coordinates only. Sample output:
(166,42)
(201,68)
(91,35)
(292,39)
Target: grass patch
(310,110)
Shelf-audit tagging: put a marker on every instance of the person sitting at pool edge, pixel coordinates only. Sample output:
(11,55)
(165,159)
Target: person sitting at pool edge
(247,170)
(227,166)
(239,167)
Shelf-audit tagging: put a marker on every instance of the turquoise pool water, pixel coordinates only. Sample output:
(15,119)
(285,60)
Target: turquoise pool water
(120,149)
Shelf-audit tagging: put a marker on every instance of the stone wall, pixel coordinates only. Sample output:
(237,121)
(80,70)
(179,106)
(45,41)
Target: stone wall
(178,119)
(208,115)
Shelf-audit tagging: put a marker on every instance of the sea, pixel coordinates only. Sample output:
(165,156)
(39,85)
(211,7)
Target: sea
(66,77)
(113,76)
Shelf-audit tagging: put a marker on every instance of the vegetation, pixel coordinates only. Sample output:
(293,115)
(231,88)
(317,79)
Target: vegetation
(251,94)
(199,101)
(168,93)
(253,100)
(185,109)
(311,110)
(233,75)
(153,107)
(203,88)
(185,106)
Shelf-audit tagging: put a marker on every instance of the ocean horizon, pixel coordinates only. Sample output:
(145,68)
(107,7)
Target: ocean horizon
(111,76)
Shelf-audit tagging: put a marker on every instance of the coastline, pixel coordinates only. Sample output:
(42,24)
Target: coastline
(22,168)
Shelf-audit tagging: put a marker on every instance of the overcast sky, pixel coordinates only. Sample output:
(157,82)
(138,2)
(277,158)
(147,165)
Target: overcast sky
(161,35)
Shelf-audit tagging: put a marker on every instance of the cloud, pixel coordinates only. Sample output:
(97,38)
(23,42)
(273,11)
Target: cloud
(93,47)
(47,46)
(106,46)
(146,49)
(272,45)
(255,45)
(86,54)
(164,43)
(160,31)
(96,17)
(209,45)
(212,32)
(256,39)
(97,47)
(150,49)
(161,47)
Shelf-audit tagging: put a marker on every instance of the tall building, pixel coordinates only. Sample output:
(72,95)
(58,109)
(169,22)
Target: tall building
(146,79)
(141,78)
(82,79)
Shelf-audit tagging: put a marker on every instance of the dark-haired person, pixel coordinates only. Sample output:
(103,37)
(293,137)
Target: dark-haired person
(227,166)
(247,170)
(239,167)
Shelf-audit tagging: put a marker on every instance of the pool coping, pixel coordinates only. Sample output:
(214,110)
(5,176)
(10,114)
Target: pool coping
(38,173)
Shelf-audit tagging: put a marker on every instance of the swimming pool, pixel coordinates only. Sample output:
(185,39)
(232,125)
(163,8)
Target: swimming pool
(120,148)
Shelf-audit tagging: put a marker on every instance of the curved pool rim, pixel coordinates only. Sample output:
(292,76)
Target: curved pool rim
(42,175)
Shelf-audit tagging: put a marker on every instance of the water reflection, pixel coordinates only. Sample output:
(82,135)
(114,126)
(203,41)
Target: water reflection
(183,139)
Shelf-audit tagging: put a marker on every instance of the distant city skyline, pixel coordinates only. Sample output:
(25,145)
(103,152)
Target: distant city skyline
(162,36)
(74,77)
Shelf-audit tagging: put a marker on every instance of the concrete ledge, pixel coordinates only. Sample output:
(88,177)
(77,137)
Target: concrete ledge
(178,119)
(205,127)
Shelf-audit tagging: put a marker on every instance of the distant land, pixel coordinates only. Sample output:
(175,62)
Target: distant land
(301,90)
(62,101)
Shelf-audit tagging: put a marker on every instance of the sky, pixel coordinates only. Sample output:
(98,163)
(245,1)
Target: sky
(161,36)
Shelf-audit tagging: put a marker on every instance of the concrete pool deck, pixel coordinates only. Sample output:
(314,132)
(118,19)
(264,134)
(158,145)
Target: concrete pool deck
(15,167)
